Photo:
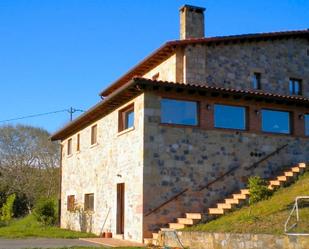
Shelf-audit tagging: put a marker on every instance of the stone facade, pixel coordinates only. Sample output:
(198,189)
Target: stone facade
(157,161)
(201,240)
(164,71)
(179,157)
(98,168)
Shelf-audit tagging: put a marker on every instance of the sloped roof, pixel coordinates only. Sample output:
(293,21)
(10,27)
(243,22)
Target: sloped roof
(138,84)
(168,49)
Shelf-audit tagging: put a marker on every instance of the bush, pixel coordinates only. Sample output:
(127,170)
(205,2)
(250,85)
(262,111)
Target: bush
(7,209)
(46,211)
(258,189)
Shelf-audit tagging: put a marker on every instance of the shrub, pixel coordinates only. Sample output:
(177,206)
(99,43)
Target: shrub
(46,211)
(258,189)
(7,209)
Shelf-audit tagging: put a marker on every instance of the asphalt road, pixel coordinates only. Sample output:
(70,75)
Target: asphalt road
(42,243)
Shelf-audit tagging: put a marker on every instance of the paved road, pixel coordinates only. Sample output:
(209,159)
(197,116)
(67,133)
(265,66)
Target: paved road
(42,243)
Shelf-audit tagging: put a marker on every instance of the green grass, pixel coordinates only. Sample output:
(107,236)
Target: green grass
(266,216)
(29,227)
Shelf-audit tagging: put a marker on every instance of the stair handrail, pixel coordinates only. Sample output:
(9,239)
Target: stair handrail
(254,165)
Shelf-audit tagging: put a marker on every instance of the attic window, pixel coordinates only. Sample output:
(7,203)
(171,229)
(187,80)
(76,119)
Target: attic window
(156,76)
(256,81)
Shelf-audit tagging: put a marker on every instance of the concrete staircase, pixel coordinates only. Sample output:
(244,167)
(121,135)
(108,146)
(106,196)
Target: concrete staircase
(226,205)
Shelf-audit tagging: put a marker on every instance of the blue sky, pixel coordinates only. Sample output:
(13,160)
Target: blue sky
(55,54)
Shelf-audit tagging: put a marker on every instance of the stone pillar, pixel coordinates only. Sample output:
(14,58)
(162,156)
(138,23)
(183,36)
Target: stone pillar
(191,22)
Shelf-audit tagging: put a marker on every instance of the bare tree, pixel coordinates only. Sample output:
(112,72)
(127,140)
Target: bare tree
(29,163)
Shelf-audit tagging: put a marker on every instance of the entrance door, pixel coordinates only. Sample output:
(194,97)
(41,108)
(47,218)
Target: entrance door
(120,208)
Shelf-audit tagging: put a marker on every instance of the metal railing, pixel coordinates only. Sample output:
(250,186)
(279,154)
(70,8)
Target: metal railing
(254,165)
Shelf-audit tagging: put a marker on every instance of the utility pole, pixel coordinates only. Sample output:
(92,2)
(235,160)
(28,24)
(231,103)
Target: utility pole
(73,110)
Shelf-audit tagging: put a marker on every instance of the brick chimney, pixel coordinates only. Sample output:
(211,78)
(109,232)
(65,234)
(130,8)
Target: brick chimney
(191,22)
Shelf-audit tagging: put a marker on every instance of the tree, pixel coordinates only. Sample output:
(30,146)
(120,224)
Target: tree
(29,164)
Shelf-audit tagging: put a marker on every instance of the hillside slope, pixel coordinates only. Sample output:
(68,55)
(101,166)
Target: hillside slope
(266,216)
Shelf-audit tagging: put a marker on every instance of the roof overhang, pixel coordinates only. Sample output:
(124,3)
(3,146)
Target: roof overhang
(138,85)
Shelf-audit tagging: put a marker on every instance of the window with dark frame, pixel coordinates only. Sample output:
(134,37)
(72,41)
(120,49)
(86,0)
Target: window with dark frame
(94,131)
(78,142)
(71,203)
(276,121)
(306,118)
(179,112)
(69,148)
(295,86)
(126,118)
(89,202)
(256,81)
(230,117)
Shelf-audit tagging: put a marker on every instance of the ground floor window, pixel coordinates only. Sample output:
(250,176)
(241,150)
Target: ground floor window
(179,112)
(276,121)
(307,124)
(70,202)
(230,117)
(89,202)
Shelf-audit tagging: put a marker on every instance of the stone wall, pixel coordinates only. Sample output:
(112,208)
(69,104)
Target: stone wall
(178,157)
(116,158)
(166,70)
(232,65)
(203,240)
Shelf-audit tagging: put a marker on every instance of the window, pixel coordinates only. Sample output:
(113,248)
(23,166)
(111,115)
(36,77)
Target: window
(230,117)
(89,202)
(70,202)
(69,152)
(256,81)
(179,112)
(295,86)
(78,142)
(94,131)
(307,124)
(276,121)
(126,118)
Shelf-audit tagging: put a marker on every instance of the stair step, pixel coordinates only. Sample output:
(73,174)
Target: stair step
(215,211)
(282,178)
(224,205)
(275,183)
(245,191)
(148,241)
(239,196)
(296,169)
(288,173)
(231,201)
(194,216)
(155,236)
(187,221)
(176,225)
(301,165)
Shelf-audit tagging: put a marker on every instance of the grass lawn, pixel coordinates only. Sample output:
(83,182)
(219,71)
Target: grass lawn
(266,216)
(29,227)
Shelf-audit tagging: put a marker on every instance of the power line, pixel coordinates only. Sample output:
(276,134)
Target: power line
(70,111)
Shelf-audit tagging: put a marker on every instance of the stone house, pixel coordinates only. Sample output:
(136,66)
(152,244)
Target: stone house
(195,109)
